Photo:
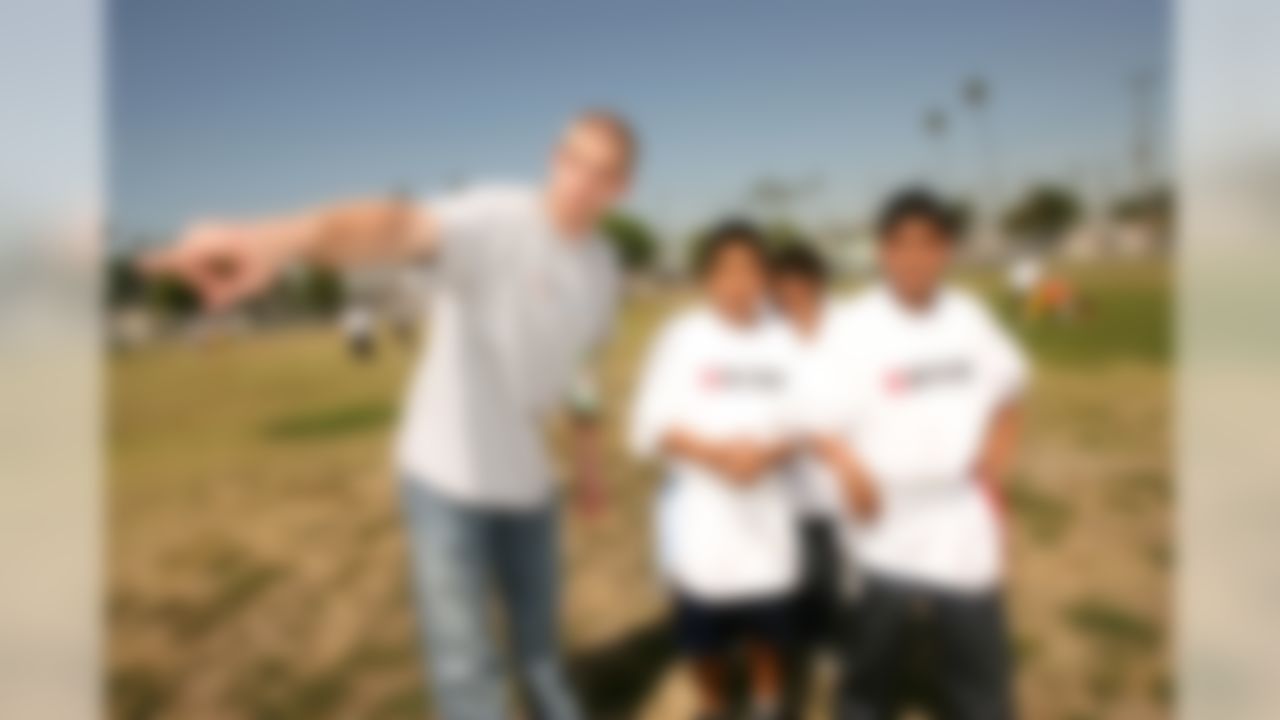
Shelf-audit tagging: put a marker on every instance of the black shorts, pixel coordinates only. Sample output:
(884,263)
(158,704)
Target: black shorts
(706,629)
(904,645)
(817,600)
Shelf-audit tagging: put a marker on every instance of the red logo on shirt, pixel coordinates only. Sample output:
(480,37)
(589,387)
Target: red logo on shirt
(712,378)
(729,378)
(895,382)
(929,375)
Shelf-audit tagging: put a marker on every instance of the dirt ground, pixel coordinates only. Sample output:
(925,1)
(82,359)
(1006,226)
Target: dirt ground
(257,565)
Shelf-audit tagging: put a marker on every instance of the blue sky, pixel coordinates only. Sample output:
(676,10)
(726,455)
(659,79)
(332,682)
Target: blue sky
(242,107)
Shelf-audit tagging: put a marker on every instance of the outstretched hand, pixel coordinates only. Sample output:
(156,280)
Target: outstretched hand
(223,263)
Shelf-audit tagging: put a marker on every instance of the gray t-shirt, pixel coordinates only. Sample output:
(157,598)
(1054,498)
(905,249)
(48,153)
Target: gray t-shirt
(515,311)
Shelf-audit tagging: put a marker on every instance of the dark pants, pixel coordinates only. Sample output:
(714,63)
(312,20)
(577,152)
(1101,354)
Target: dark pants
(815,609)
(906,646)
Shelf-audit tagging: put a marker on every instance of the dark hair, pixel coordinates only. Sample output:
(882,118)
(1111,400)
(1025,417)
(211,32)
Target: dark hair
(917,204)
(800,259)
(725,236)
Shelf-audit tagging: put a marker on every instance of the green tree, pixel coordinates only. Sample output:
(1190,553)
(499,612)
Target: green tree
(1044,215)
(962,215)
(1156,208)
(125,285)
(781,234)
(172,298)
(633,240)
(319,291)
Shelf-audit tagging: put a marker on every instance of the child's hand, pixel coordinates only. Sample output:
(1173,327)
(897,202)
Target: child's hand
(744,461)
(861,496)
(740,461)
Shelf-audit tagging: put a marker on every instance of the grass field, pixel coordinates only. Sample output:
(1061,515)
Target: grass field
(257,564)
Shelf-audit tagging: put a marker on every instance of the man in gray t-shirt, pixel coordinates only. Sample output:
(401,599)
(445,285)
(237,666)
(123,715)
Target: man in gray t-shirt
(522,291)
(517,306)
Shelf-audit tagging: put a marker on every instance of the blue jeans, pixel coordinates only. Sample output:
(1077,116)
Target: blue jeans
(463,559)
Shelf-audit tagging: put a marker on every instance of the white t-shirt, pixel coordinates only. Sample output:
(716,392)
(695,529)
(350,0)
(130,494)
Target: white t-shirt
(817,371)
(514,313)
(719,541)
(918,395)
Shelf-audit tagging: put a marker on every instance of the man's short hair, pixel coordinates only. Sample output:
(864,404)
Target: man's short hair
(802,260)
(917,204)
(618,128)
(728,235)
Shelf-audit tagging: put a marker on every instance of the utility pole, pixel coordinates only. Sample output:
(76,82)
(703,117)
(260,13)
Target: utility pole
(1142,95)
(935,126)
(976,94)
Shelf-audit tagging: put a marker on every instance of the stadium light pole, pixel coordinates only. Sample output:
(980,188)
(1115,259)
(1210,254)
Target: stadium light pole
(935,126)
(976,94)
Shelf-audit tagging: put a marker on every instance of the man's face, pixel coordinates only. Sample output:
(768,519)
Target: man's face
(914,257)
(797,296)
(735,282)
(589,171)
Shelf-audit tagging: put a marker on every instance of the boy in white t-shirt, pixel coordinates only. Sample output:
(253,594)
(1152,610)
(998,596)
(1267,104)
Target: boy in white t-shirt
(921,430)
(711,406)
(800,279)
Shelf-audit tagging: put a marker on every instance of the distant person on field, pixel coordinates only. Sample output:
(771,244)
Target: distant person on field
(801,293)
(1055,297)
(524,290)
(357,328)
(712,406)
(1038,292)
(1023,275)
(921,432)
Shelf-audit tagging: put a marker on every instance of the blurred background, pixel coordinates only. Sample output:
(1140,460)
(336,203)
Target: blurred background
(256,566)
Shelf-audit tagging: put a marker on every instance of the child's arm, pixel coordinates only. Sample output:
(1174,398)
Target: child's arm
(658,429)
(1009,372)
(741,461)
(999,446)
(861,495)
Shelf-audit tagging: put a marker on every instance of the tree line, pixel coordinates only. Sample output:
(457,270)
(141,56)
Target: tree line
(1038,220)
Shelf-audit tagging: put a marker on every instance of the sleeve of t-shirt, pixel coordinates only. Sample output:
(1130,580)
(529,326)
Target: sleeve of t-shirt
(826,398)
(792,408)
(656,404)
(463,231)
(585,396)
(608,299)
(584,393)
(1005,362)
